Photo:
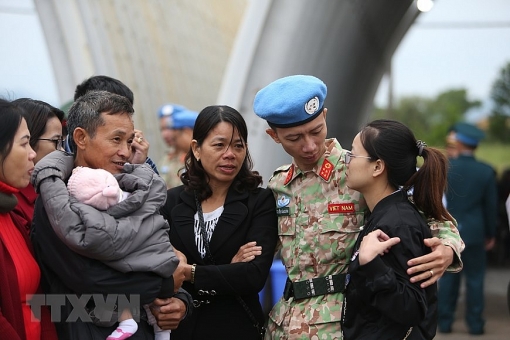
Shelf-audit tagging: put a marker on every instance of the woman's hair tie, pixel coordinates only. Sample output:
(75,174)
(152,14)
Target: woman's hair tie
(420,145)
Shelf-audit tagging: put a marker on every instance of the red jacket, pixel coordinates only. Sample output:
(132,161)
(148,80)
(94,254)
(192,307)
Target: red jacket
(23,213)
(11,316)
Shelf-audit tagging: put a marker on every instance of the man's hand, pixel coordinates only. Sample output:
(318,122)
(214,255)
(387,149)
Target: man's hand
(140,149)
(179,274)
(181,256)
(247,252)
(168,312)
(373,244)
(429,268)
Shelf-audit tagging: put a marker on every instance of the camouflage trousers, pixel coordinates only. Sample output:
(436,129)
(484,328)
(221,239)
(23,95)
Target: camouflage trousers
(292,330)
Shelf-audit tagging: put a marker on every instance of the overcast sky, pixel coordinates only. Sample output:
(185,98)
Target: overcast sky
(429,60)
(25,68)
(458,44)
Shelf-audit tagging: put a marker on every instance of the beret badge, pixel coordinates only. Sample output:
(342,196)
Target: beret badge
(312,105)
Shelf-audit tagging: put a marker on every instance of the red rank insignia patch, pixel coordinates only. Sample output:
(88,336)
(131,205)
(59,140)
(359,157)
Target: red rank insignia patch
(326,170)
(340,208)
(289,175)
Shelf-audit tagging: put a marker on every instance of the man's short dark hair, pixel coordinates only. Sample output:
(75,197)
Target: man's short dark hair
(86,111)
(103,83)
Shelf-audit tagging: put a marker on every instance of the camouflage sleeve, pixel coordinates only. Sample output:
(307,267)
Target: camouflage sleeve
(270,185)
(449,235)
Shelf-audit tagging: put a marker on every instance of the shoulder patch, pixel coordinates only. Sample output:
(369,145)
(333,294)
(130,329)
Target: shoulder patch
(285,167)
(326,170)
(289,175)
(280,171)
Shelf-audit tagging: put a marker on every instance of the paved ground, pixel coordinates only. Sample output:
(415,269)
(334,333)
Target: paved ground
(497,315)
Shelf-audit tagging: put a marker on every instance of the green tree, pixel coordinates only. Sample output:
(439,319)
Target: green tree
(430,119)
(447,109)
(499,120)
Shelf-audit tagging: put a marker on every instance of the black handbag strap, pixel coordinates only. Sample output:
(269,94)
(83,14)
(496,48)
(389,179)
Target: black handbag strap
(203,231)
(208,254)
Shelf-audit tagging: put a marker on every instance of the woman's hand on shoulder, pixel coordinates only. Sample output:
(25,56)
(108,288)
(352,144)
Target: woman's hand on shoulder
(375,243)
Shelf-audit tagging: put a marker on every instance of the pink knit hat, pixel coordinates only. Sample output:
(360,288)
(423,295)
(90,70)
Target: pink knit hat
(95,187)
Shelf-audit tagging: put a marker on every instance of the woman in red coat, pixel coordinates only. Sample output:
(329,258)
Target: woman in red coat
(20,272)
(45,125)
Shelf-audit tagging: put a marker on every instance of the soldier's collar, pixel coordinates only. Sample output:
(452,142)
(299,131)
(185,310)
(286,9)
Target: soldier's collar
(325,165)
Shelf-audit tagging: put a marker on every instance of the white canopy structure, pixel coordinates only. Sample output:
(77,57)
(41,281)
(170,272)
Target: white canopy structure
(204,52)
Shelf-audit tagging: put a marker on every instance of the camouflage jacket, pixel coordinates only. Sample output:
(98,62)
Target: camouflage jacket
(169,166)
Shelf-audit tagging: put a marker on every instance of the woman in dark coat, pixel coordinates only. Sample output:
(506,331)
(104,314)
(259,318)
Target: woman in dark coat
(220,211)
(380,300)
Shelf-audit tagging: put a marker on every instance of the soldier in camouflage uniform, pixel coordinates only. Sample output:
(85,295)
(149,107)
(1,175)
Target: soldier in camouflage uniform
(174,123)
(169,167)
(319,217)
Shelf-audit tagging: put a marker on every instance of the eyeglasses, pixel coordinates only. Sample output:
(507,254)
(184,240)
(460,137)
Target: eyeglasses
(349,155)
(59,142)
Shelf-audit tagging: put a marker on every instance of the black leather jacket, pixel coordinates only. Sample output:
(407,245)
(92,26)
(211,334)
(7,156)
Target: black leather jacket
(380,300)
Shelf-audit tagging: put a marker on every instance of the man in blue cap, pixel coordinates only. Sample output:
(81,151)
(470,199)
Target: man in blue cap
(319,217)
(181,123)
(173,160)
(472,200)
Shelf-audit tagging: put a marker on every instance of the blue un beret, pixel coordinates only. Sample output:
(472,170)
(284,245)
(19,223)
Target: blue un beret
(184,119)
(291,101)
(468,134)
(169,109)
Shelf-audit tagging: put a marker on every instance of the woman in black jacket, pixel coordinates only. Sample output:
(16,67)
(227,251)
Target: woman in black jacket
(219,211)
(380,300)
